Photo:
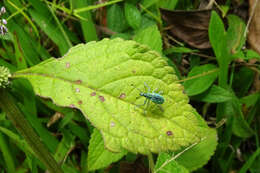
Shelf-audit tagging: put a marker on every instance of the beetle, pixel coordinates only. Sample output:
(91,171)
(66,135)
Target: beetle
(153,96)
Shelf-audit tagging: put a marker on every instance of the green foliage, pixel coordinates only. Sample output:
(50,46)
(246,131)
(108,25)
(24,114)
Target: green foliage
(116,18)
(133,15)
(200,84)
(144,36)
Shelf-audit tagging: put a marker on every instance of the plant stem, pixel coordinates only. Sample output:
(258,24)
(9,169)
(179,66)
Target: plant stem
(8,105)
(151,162)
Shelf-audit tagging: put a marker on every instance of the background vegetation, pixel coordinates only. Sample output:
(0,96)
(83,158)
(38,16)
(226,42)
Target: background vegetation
(212,46)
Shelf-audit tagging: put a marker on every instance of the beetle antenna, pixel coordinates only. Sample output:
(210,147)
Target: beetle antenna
(136,88)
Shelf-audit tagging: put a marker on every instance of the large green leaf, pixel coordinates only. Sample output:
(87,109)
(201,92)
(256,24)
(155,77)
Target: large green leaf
(166,163)
(199,154)
(98,156)
(96,78)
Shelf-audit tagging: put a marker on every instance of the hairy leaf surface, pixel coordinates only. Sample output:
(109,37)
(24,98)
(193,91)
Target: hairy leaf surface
(97,79)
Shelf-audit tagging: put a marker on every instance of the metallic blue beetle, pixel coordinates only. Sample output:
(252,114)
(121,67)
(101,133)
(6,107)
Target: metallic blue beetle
(157,98)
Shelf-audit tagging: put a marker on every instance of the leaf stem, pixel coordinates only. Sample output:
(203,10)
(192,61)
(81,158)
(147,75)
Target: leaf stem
(8,105)
(151,162)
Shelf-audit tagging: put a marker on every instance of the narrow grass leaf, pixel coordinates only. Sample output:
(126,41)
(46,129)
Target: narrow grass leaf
(28,107)
(19,55)
(46,23)
(88,26)
(250,161)
(25,43)
(7,155)
(21,143)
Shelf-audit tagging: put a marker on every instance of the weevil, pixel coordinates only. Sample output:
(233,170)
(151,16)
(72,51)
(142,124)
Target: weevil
(156,98)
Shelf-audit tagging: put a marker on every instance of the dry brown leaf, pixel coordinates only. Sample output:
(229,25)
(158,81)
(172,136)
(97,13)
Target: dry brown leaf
(189,26)
(136,167)
(254,27)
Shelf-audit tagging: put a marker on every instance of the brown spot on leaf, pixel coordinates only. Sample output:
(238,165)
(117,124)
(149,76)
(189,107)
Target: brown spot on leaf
(78,81)
(20,59)
(122,95)
(80,102)
(93,94)
(101,98)
(169,133)
(134,71)
(67,65)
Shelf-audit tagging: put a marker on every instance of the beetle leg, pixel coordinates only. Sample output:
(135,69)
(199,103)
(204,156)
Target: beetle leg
(160,106)
(147,105)
(148,89)
(154,91)
(160,92)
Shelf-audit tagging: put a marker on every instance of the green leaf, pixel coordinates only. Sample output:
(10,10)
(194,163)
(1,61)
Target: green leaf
(65,146)
(168,4)
(21,143)
(98,155)
(174,49)
(133,15)
(243,80)
(254,167)
(250,54)
(235,34)
(88,26)
(44,19)
(250,100)
(116,18)
(250,161)
(148,3)
(165,163)
(7,155)
(217,35)
(202,78)
(199,154)
(240,127)
(150,36)
(215,94)
(97,79)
